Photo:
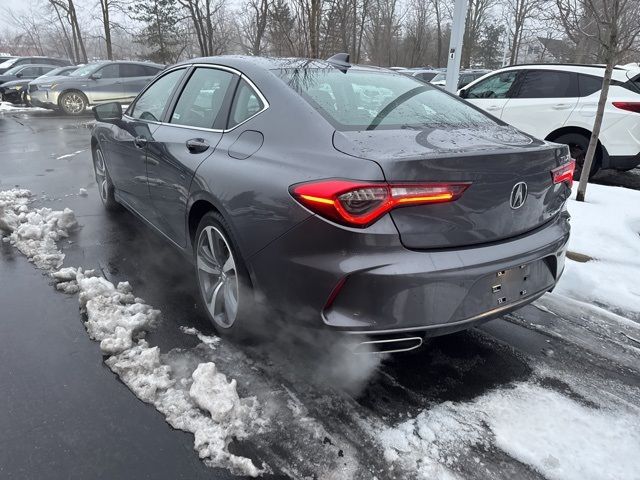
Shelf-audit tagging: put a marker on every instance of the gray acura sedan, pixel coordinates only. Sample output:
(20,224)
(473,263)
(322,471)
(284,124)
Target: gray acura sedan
(396,214)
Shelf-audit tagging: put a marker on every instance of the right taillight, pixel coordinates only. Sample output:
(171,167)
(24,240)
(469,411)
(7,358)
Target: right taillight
(359,204)
(629,106)
(564,173)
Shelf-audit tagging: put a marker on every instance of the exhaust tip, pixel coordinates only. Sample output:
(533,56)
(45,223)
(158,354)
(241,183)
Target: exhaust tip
(388,345)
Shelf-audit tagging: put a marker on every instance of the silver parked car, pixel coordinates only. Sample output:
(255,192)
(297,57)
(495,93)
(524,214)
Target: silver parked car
(94,84)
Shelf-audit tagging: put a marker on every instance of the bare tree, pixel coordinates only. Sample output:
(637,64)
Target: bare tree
(477,15)
(105,7)
(437,10)
(617,26)
(520,12)
(71,15)
(253,25)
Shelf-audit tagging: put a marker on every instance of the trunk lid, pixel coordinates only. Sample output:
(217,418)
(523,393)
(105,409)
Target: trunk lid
(493,159)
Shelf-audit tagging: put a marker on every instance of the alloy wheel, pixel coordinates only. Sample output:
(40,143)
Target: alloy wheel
(101,175)
(73,103)
(217,276)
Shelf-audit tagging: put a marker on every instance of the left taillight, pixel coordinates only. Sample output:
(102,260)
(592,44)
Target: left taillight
(628,106)
(564,173)
(359,204)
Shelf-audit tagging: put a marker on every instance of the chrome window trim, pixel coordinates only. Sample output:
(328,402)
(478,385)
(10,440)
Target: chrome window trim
(242,76)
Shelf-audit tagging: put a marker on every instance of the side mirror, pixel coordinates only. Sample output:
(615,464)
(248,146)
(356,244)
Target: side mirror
(108,112)
(95,76)
(19,75)
(463,93)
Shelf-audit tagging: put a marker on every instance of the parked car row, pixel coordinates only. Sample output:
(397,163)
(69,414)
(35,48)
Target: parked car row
(72,88)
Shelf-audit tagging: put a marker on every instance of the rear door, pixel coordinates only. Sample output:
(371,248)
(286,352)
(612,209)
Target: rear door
(106,85)
(127,149)
(542,102)
(31,72)
(191,131)
(493,92)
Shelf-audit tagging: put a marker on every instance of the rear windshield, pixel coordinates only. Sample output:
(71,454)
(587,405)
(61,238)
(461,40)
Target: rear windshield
(366,100)
(633,84)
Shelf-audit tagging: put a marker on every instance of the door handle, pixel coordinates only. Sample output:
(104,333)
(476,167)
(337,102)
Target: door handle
(494,107)
(197,145)
(561,106)
(140,142)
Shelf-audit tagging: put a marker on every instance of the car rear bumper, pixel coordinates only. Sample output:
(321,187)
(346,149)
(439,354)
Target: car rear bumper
(368,283)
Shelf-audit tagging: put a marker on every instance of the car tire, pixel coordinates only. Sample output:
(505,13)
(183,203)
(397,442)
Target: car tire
(224,286)
(578,145)
(73,103)
(105,185)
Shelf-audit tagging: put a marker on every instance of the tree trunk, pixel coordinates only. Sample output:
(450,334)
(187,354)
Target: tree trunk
(104,5)
(593,142)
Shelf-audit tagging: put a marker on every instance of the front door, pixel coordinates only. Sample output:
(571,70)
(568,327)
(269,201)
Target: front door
(190,135)
(131,138)
(105,85)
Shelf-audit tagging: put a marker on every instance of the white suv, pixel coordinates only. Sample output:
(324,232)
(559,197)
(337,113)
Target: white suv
(558,103)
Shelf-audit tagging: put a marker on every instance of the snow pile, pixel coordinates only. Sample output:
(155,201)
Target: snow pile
(557,436)
(34,231)
(11,108)
(606,228)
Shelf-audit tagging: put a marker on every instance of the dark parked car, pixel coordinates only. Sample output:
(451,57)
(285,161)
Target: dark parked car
(420,216)
(426,75)
(23,74)
(16,90)
(45,81)
(16,61)
(98,83)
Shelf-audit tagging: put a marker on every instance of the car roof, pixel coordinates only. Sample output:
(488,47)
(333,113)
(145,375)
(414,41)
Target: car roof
(241,62)
(619,72)
(27,65)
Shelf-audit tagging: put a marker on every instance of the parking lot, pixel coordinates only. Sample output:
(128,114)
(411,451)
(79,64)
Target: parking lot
(544,392)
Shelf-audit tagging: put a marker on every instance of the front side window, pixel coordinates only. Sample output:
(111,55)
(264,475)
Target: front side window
(30,71)
(366,100)
(497,86)
(202,98)
(547,84)
(245,104)
(109,71)
(152,102)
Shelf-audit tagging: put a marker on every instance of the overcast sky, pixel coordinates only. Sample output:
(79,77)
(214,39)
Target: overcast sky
(16,6)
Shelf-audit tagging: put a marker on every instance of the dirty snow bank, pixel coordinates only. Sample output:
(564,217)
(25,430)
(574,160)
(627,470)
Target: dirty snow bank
(11,108)
(559,437)
(203,402)
(34,231)
(607,228)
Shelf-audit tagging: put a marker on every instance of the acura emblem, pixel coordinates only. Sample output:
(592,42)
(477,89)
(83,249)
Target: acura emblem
(518,195)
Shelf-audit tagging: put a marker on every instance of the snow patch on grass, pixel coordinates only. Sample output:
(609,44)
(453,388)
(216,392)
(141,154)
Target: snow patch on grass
(607,228)
(559,437)
(34,231)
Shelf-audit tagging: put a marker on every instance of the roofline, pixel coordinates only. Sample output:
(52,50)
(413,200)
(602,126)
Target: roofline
(590,65)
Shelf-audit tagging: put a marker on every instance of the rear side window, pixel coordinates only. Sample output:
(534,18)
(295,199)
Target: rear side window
(496,86)
(588,84)
(132,70)
(245,104)
(547,84)
(367,100)
(151,103)
(201,100)
(30,71)
(633,84)
(150,71)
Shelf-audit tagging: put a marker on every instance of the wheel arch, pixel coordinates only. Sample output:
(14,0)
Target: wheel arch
(602,156)
(70,90)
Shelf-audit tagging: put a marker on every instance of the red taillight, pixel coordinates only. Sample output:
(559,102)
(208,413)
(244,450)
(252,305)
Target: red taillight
(629,106)
(359,204)
(564,173)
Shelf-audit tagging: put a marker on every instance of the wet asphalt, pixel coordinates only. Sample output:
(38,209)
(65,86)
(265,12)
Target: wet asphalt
(65,415)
